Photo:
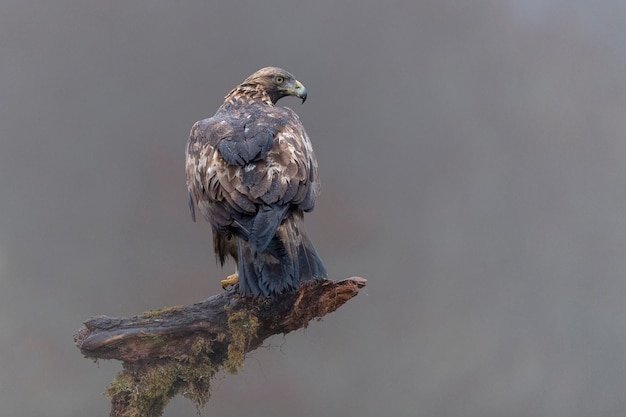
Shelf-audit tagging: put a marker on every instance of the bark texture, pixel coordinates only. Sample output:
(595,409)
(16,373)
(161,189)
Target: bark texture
(177,350)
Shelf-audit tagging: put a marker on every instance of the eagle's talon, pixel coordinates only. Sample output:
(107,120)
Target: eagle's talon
(230,280)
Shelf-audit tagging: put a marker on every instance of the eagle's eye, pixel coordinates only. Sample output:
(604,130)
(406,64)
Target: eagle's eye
(279,79)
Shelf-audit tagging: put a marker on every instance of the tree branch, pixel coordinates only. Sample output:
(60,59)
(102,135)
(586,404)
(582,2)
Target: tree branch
(177,350)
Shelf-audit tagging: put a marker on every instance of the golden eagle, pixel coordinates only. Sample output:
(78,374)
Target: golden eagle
(252,173)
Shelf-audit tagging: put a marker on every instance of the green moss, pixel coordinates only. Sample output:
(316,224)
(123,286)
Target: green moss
(149,387)
(201,348)
(147,391)
(157,313)
(144,389)
(196,379)
(243,328)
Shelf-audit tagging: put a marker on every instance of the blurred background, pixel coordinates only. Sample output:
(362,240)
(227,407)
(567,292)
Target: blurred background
(473,160)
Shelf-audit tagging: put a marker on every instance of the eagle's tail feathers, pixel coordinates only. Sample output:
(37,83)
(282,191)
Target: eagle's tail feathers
(311,265)
(248,284)
(282,267)
(265,225)
(277,271)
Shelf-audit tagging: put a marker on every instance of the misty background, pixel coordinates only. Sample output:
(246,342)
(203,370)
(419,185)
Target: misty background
(473,165)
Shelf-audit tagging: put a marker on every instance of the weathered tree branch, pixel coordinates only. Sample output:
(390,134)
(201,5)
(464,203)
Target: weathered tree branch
(177,350)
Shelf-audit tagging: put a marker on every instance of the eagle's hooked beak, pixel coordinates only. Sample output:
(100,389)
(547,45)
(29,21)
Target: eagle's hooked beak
(299,91)
(293,88)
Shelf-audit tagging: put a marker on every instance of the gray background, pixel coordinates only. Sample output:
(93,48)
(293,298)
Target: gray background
(474,171)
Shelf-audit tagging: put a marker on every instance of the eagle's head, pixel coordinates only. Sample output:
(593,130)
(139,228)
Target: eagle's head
(276,83)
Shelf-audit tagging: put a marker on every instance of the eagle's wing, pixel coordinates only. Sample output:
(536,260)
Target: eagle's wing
(246,169)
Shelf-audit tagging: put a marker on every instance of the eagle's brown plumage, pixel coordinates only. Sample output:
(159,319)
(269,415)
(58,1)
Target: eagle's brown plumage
(252,173)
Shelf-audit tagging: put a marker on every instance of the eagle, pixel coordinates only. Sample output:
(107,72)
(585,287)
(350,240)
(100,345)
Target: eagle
(252,174)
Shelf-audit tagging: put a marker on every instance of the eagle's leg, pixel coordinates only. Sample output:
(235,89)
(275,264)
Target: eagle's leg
(230,280)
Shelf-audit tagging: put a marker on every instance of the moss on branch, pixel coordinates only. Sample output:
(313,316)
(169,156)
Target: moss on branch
(178,350)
